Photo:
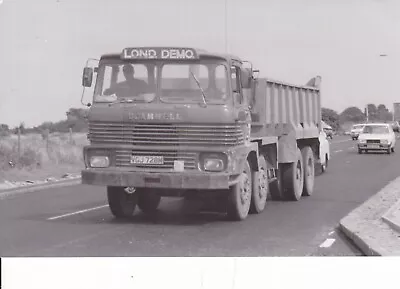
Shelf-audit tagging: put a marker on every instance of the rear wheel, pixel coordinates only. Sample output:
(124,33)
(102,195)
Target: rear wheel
(148,201)
(240,196)
(293,179)
(392,149)
(121,203)
(260,187)
(309,170)
(276,186)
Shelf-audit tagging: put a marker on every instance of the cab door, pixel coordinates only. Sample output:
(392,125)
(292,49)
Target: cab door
(241,104)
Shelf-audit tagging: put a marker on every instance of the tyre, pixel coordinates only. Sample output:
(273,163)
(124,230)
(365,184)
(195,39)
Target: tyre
(360,151)
(293,179)
(239,199)
(148,201)
(275,187)
(324,167)
(260,187)
(392,149)
(121,203)
(309,170)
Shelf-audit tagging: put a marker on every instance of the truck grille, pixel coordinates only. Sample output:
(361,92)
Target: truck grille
(373,141)
(165,134)
(123,157)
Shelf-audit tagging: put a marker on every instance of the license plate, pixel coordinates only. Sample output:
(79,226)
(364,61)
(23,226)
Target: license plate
(147,160)
(374,146)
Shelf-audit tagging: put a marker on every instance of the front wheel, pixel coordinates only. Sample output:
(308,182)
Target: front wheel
(239,199)
(121,203)
(260,187)
(148,201)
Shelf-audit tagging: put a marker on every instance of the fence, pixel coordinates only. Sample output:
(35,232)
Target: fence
(30,150)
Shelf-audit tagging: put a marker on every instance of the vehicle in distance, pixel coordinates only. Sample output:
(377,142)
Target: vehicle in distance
(327,129)
(324,151)
(355,130)
(377,137)
(396,126)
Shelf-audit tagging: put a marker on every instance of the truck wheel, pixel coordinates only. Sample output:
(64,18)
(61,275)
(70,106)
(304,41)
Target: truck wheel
(148,201)
(309,170)
(260,187)
(325,166)
(293,179)
(122,204)
(240,196)
(275,187)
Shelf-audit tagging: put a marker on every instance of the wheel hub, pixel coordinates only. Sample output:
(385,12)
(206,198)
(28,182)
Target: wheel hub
(262,182)
(245,188)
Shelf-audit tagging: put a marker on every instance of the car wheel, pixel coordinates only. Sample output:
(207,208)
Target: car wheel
(392,149)
(360,151)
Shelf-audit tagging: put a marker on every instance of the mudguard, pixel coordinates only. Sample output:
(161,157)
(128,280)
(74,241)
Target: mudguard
(287,148)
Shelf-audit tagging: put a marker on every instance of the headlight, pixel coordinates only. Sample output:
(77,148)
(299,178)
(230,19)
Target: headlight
(384,141)
(99,162)
(362,141)
(213,162)
(215,165)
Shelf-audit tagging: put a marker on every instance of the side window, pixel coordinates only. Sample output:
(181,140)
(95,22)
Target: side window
(107,78)
(236,85)
(140,72)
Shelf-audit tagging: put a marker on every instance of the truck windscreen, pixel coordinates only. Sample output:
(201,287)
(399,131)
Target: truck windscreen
(119,79)
(187,82)
(180,82)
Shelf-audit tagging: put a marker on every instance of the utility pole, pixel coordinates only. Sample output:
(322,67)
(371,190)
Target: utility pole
(226,26)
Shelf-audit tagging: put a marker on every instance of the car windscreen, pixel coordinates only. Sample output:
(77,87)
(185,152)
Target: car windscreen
(376,129)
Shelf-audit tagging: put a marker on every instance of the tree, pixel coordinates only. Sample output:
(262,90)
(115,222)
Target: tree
(331,117)
(352,114)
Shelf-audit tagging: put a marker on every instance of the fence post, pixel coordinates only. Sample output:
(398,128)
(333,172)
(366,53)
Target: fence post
(19,145)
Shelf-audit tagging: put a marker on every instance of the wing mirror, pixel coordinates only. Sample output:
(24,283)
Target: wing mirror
(87,77)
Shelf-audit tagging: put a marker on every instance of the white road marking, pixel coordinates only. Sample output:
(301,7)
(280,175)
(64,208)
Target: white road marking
(338,151)
(78,212)
(331,233)
(327,243)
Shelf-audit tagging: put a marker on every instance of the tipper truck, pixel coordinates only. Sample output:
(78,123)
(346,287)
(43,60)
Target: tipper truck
(184,122)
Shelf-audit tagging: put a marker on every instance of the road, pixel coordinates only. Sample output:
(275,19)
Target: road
(75,221)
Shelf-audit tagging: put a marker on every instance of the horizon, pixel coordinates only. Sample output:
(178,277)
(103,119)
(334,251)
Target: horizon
(352,46)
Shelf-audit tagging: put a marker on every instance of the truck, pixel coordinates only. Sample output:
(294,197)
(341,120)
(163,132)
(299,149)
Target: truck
(185,122)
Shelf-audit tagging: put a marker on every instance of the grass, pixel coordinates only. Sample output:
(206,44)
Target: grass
(40,157)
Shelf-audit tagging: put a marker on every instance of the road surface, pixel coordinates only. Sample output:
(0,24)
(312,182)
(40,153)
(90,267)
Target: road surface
(75,221)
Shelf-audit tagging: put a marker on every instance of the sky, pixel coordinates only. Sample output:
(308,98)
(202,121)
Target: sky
(44,45)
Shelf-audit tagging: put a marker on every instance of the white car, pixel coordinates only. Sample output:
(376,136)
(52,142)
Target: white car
(324,150)
(355,130)
(377,137)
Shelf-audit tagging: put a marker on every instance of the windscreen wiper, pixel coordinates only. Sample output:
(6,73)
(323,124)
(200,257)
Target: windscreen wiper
(202,91)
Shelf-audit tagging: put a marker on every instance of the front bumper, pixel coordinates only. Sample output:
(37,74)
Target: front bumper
(372,146)
(172,180)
